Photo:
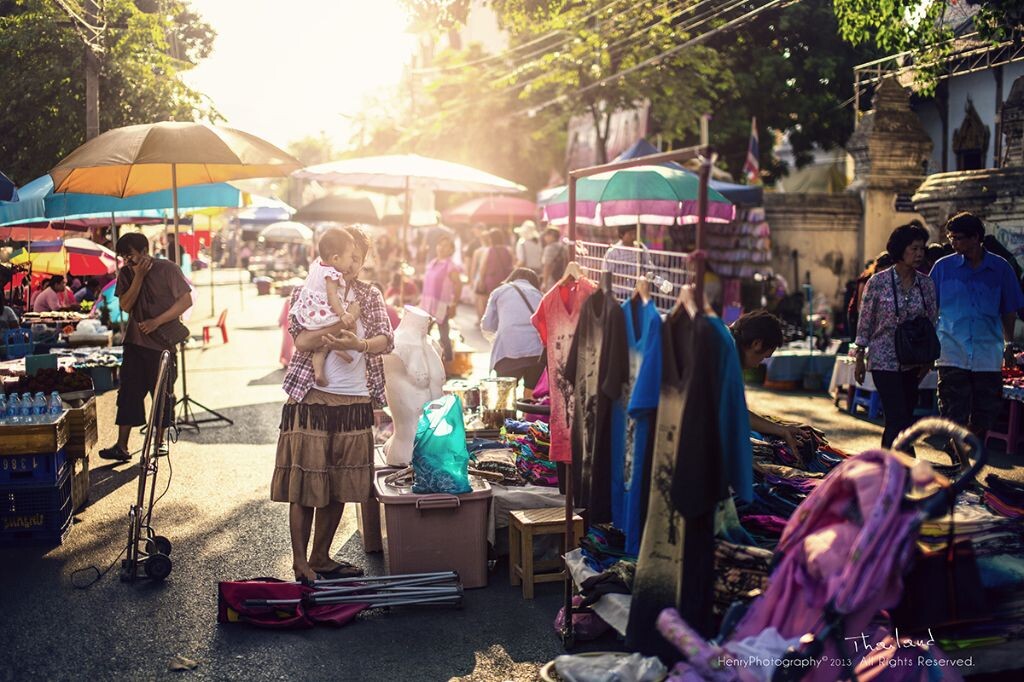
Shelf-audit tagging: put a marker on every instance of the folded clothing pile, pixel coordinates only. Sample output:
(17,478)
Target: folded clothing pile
(1004,497)
(531,441)
(739,570)
(498,461)
(603,546)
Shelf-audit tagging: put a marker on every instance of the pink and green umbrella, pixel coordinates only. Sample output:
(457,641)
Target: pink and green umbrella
(651,195)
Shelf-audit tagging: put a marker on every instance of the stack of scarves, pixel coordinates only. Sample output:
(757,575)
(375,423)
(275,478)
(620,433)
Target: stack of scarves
(531,441)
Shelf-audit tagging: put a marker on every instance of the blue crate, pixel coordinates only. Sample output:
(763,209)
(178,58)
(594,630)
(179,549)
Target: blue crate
(35,514)
(35,470)
(17,343)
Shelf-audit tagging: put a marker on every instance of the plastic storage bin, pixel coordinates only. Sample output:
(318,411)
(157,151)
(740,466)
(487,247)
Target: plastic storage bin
(425,533)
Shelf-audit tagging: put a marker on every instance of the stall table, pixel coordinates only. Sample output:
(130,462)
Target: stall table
(788,366)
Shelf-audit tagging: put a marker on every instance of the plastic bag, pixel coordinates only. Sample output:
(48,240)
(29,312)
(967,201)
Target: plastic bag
(585,626)
(439,455)
(610,668)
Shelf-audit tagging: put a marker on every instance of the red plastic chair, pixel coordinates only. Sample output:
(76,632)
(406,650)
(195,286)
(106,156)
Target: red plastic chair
(222,324)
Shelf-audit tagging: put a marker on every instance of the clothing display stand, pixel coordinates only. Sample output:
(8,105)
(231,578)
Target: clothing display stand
(704,154)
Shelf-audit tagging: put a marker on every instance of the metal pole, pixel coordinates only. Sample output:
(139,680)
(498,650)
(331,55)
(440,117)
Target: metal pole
(702,209)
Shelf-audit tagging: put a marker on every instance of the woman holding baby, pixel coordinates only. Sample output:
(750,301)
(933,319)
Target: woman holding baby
(325,449)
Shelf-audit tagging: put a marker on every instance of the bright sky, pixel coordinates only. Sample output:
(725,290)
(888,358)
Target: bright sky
(284,69)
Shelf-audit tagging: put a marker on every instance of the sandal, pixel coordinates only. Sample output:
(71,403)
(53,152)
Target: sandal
(344,570)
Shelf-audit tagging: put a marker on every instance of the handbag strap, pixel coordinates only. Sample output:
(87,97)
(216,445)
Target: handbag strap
(895,294)
(522,296)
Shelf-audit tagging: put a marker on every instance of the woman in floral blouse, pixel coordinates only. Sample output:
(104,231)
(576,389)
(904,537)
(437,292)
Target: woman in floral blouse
(876,330)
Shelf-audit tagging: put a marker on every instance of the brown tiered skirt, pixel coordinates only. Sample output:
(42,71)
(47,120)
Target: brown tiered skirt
(325,451)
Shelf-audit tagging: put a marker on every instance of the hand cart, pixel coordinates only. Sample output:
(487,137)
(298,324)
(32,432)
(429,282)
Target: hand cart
(146,549)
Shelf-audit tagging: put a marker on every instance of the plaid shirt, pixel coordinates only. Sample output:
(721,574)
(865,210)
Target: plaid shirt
(374,316)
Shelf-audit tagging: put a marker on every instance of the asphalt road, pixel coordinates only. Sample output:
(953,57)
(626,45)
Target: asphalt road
(218,514)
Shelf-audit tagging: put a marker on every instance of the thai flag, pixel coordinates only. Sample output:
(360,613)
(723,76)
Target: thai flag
(752,166)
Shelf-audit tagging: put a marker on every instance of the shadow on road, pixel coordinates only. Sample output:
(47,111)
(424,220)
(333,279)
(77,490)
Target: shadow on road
(275,378)
(254,425)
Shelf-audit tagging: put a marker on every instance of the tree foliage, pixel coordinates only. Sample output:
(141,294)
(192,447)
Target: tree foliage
(42,68)
(925,29)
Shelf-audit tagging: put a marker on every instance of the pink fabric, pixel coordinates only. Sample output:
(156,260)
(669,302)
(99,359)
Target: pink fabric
(556,320)
(287,342)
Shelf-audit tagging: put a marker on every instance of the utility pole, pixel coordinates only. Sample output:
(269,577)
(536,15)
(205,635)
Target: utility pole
(92,75)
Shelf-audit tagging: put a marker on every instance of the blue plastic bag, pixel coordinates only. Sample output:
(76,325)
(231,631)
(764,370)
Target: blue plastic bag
(439,455)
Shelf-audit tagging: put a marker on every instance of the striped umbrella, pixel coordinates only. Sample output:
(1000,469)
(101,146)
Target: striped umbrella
(76,256)
(652,195)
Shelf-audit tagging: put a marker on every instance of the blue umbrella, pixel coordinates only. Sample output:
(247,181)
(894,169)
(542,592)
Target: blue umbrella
(8,191)
(38,202)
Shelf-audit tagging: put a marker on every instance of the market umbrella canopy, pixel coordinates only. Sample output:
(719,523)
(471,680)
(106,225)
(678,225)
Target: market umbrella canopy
(401,171)
(339,209)
(287,232)
(39,204)
(77,256)
(142,158)
(8,190)
(492,211)
(652,195)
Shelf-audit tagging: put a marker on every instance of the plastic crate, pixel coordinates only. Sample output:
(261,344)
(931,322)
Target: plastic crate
(35,514)
(33,470)
(17,343)
(424,533)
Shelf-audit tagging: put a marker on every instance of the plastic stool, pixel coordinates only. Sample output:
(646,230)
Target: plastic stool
(524,525)
(1012,436)
(869,400)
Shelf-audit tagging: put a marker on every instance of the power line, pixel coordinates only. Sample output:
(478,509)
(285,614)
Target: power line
(772,4)
(509,51)
(689,25)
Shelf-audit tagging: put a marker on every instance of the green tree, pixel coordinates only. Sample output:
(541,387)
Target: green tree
(587,46)
(923,28)
(792,72)
(41,66)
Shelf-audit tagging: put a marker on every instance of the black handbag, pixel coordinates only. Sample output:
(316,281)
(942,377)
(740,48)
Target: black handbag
(916,340)
(170,334)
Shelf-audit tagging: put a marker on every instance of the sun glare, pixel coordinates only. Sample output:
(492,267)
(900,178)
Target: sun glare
(284,70)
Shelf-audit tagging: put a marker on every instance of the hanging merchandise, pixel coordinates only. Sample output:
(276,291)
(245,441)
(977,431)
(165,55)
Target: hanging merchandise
(633,420)
(597,364)
(698,399)
(556,320)
(439,457)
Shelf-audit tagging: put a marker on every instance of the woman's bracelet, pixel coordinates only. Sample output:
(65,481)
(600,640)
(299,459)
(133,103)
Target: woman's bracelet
(366,346)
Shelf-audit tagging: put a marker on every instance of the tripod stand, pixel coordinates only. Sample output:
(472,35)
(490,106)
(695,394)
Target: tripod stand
(186,415)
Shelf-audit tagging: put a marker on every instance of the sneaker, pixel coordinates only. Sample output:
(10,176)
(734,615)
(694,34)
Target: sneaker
(162,450)
(115,452)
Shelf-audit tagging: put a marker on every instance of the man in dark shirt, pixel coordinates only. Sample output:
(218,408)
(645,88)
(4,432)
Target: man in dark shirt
(153,292)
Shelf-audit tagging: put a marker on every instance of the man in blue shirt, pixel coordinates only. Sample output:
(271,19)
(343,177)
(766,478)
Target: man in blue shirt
(979,297)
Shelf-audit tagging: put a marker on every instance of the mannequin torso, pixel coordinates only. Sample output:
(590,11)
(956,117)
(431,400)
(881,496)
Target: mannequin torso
(413,374)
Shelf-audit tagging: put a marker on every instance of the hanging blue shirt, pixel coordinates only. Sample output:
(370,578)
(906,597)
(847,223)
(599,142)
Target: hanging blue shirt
(972,302)
(733,418)
(633,420)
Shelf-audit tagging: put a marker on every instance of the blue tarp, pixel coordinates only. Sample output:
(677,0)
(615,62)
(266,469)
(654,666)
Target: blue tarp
(8,190)
(37,201)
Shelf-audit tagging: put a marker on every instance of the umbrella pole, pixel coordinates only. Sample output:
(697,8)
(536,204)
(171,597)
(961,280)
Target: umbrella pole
(406,213)
(188,417)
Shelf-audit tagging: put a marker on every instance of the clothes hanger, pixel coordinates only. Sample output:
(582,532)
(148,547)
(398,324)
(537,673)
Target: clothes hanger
(573,271)
(642,290)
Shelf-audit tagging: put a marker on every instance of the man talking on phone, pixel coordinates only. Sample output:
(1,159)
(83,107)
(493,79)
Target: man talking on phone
(154,293)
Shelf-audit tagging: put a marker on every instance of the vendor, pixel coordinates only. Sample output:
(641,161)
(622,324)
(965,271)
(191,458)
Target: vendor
(54,296)
(89,292)
(758,334)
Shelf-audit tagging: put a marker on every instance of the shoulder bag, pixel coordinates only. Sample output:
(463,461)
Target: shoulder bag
(916,340)
(170,334)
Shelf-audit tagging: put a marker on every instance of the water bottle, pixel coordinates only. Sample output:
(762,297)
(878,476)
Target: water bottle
(27,415)
(39,408)
(14,409)
(3,409)
(55,406)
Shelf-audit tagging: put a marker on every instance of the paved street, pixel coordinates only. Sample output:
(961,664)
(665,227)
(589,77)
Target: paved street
(217,513)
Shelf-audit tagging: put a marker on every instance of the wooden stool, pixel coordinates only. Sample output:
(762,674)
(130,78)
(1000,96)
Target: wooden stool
(524,525)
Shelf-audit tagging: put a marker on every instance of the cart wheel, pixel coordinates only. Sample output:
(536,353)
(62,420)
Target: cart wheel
(157,566)
(158,544)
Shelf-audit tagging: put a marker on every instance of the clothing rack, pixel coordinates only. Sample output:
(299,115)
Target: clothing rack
(705,154)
